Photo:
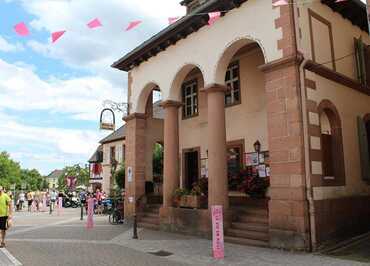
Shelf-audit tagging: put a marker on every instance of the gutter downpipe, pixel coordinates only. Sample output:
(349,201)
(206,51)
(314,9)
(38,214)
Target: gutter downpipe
(301,83)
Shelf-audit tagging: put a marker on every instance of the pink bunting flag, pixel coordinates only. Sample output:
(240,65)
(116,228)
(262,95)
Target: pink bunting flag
(213,16)
(21,29)
(172,20)
(280,3)
(133,24)
(56,35)
(95,23)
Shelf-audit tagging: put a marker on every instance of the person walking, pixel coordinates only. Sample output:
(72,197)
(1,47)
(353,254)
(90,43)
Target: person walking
(53,199)
(5,214)
(29,201)
(22,199)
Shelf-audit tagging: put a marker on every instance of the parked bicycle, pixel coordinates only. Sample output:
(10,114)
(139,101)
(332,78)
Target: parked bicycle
(116,215)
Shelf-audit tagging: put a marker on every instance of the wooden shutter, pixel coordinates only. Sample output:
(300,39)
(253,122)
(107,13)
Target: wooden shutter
(364,149)
(360,60)
(367,64)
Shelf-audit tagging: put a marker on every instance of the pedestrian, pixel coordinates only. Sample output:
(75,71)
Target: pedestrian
(5,214)
(29,201)
(53,198)
(22,199)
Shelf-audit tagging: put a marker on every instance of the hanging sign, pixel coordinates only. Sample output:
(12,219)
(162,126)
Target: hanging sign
(218,232)
(107,119)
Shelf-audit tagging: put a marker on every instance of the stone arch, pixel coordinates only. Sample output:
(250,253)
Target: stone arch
(329,109)
(181,73)
(143,97)
(230,50)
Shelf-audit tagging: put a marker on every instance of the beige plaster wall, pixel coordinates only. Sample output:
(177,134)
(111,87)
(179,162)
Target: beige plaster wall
(350,104)
(343,32)
(195,49)
(246,121)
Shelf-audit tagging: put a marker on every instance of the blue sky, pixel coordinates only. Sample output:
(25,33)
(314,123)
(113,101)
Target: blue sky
(51,94)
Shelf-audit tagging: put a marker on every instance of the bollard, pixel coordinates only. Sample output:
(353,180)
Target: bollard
(82,211)
(135,228)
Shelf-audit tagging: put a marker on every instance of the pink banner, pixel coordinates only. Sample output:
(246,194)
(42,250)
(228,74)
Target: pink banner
(44,207)
(218,232)
(94,23)
(56,35)
(90,213)
(21,29)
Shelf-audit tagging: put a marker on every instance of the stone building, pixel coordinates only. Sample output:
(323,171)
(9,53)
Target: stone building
(294,78)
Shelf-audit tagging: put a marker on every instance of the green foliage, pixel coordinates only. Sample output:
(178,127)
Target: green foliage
(158,160)
(82,174)
(119,176)
(12,173)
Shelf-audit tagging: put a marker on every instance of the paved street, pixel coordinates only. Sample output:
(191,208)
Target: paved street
(41,239)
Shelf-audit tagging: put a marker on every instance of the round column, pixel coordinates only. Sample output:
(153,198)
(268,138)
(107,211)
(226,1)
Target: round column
(171,177)
(217,164)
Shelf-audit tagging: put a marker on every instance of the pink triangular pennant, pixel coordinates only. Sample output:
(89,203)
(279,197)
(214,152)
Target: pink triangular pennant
(213,16)
(56,35)
(21,29)
(133,24)
(94,23)
(280,3)
(172,20)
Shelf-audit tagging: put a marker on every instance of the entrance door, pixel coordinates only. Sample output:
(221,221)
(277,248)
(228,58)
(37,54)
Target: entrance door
(191,161)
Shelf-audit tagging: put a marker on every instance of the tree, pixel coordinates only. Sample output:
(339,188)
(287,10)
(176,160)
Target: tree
(119,176)
(158,160)
(82,174)
(9,171)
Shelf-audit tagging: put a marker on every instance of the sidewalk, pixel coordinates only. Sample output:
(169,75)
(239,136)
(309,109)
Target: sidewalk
(7,259)
(197,251)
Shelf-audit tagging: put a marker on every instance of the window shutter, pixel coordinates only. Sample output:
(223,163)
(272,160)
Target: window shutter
(360,60)
(364,150)
(367,64)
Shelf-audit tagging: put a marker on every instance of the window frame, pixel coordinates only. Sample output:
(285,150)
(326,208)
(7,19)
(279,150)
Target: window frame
(184,97)
(231,81)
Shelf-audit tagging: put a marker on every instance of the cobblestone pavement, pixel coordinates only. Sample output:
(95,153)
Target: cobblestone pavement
(43,239)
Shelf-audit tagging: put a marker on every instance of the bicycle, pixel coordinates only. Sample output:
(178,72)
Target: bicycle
(116,215)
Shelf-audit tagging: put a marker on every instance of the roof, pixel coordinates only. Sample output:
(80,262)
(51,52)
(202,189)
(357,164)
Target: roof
(95,158)
(175,32)
(55,174)
(119,134)
(354,10)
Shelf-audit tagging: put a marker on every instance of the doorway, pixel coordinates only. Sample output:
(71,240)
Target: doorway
(191,167)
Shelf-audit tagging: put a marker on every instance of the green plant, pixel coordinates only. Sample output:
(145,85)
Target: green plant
(181,192)
(119,176)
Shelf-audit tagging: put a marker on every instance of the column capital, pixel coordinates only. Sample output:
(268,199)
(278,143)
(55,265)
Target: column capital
(214,87)
(170,103)
(296,59)
(134,116)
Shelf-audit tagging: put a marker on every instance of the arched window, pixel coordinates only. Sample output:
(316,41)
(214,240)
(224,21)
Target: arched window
(333,170)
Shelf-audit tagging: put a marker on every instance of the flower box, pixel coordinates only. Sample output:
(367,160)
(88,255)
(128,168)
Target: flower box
(193,202)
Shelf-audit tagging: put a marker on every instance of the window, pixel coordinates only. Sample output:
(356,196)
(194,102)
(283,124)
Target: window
(362,54)
(232,81)
(332,154)
(190,99)
(112,155)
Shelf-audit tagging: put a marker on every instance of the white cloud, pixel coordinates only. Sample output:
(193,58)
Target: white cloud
(5,46)
(22,90)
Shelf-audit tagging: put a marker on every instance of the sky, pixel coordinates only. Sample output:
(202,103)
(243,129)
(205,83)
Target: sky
(51,95)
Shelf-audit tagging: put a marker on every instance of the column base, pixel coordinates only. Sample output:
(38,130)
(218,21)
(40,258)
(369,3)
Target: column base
(288,240)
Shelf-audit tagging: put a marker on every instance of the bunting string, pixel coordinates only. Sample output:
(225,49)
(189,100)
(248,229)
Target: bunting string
(22,30)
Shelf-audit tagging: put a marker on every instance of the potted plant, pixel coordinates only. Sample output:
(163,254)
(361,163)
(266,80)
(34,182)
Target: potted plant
(178,195)
(196,198)
(255,186)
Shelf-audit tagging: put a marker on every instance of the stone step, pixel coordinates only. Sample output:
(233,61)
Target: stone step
(263,236)
(246,242)
(149,220)
(257,227)
(251,211)
(261,219)
(151,215)
(148,210)
(148,226)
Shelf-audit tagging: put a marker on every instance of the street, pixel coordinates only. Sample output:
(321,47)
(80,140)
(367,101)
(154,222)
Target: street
(43,239)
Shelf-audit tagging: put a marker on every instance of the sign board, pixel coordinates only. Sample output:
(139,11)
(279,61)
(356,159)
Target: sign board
(218,232)
(129,174)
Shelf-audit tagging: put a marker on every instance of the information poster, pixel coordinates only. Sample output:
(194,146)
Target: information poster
(218,232)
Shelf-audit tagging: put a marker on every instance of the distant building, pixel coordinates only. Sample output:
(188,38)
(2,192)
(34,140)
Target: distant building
(53,177)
